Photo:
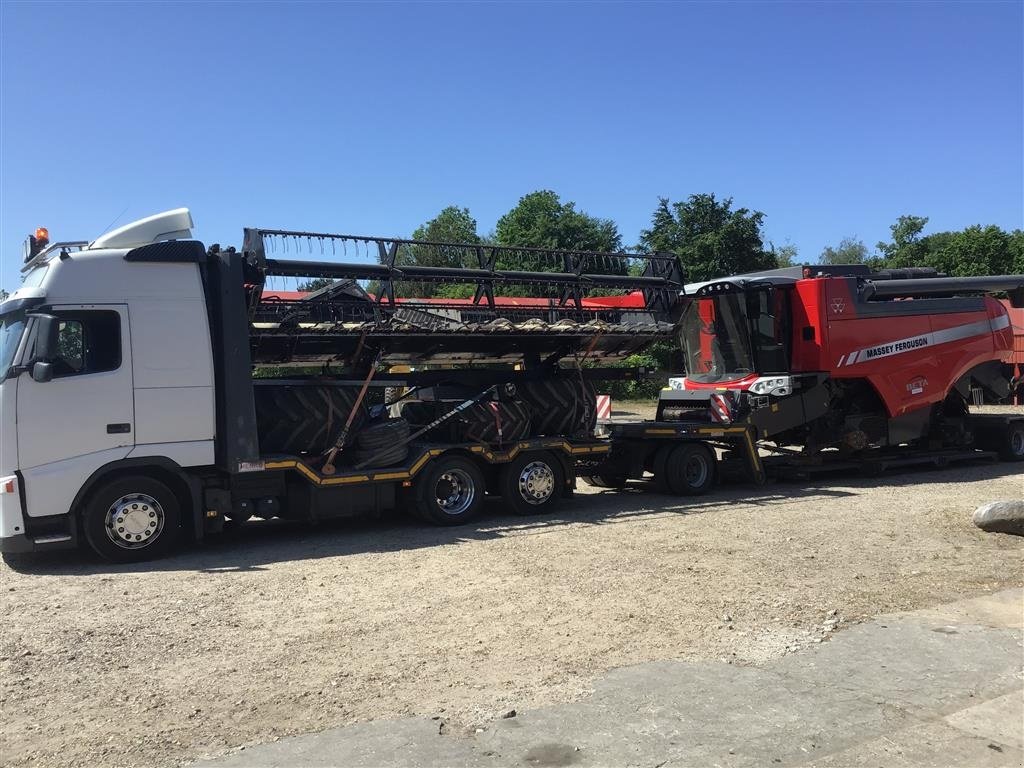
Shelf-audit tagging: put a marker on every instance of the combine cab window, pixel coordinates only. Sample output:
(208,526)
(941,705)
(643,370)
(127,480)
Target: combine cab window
(716,339)
(727,336)
(769,312)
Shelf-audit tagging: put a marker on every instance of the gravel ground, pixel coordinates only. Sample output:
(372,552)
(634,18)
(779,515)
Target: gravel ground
(280,629)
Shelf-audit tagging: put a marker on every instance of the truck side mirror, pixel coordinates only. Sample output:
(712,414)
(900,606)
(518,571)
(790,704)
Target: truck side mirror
(42,371)
(47,330)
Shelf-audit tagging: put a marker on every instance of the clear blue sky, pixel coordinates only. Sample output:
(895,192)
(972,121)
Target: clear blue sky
(831,118)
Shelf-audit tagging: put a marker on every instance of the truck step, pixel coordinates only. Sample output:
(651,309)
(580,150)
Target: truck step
(53,538)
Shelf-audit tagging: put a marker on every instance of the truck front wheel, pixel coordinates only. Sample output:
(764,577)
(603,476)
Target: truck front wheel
(132,518)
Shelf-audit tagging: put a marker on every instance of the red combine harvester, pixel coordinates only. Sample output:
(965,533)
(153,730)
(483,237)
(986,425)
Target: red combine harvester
(828,365)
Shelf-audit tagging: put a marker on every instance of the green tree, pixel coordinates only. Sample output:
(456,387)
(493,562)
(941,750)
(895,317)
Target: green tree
(1017,252)
(975,250)
(315,284)
(452,225)
(709,237)
(849,251)
(541,220)
(906,248)
(785,256)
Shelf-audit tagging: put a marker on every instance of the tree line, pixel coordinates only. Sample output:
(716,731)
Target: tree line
(974,250)
(710,237)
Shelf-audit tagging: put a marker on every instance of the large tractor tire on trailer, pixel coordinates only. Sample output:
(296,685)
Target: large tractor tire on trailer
(479,423)
(495,423)
(384,443)
(564,407)
(303,419)
(420,413)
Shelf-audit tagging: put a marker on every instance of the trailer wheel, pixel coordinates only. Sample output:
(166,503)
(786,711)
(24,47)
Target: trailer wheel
(1013,443)
(659,467)
(449,492)
(532,483)
(132,518)
(690,470)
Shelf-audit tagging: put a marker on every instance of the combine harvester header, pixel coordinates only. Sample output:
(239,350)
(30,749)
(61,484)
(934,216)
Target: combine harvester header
(563,316)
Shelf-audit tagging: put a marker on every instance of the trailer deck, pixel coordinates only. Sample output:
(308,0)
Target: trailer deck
(420,454)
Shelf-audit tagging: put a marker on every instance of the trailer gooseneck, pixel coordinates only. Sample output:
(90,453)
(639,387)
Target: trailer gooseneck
(153,388)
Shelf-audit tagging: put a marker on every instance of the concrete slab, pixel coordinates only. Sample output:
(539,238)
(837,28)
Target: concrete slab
(937,687)
(1001,609)
(408,742)
(1000,720)
(926,745)
(909,665)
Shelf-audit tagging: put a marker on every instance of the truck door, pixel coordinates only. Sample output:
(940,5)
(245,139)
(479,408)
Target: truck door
(86,410)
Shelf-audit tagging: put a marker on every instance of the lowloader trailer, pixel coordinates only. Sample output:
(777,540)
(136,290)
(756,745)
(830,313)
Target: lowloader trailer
(153,388)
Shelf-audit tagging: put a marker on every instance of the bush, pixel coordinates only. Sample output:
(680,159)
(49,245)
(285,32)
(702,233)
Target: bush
(643,389)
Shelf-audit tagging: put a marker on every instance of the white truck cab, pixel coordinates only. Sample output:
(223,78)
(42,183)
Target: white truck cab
(105,366)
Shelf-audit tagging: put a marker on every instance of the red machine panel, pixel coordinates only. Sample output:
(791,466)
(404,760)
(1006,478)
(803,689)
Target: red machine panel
(910,350)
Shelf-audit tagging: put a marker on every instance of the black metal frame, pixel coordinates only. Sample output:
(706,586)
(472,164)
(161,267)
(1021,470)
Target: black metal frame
(574,273)
(345,324)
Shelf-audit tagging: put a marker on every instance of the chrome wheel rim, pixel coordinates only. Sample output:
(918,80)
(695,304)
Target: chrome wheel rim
(696,471)
(536,482)
(455,491)
(134,521)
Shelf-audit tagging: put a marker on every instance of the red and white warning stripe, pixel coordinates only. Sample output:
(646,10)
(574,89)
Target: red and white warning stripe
(604,407)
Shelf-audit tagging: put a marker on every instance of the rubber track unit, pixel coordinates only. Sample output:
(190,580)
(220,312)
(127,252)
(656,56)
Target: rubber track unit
(564,407)
(303,419)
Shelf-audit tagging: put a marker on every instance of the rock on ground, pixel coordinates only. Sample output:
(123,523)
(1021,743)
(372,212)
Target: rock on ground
(1001,517)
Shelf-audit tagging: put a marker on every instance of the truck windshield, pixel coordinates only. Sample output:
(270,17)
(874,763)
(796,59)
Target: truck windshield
(11,327)
(715,337)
